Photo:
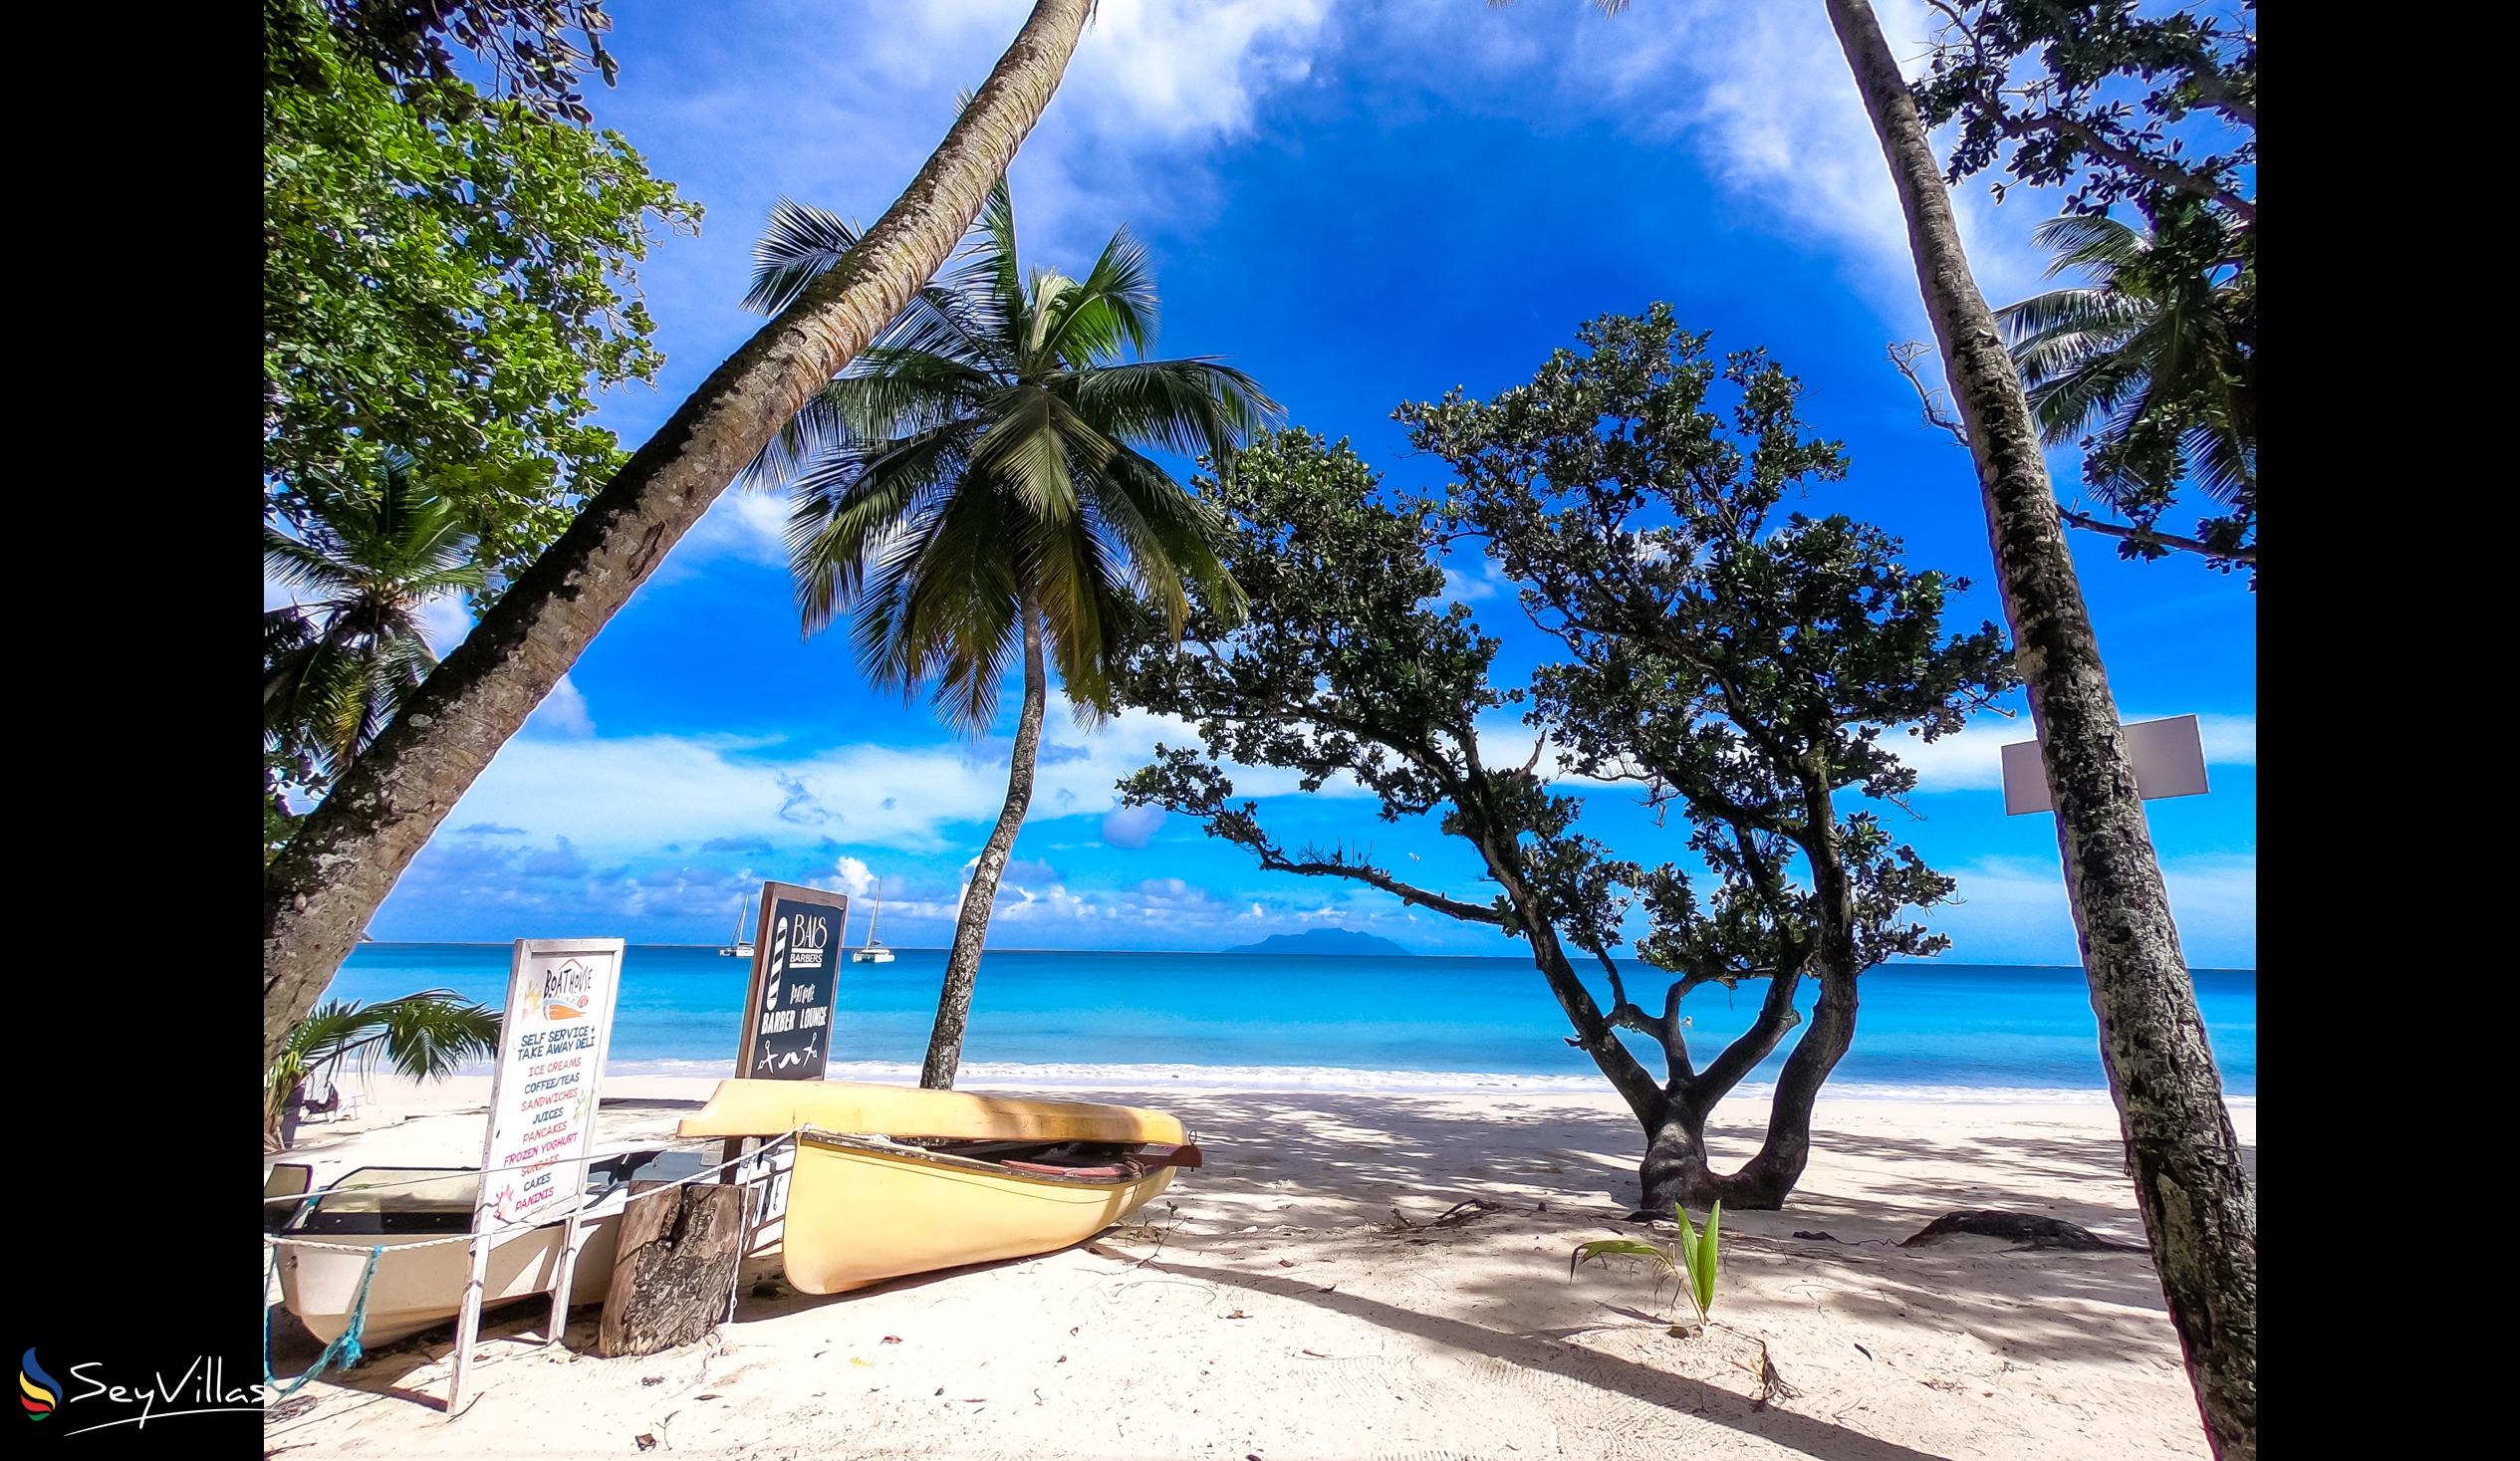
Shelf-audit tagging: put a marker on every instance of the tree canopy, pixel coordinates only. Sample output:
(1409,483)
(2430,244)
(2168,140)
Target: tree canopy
(1743,667)
(448,277)
(2096,95)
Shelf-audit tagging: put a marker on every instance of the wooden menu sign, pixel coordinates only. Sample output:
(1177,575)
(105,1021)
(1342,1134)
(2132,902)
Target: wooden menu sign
(794,981)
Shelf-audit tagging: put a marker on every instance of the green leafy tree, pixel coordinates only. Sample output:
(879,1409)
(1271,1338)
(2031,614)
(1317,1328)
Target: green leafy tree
(1739,667)
(2152,368)
(322,889)
(338,663)
(423,1035)
(2150,104)
(973,491)
(532,46)
(447,277)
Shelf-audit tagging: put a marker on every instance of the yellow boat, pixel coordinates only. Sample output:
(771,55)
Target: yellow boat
(893,1180)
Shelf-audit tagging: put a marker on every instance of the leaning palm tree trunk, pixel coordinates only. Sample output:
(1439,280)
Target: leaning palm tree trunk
(971,927)
(2198,1207)
(319,892)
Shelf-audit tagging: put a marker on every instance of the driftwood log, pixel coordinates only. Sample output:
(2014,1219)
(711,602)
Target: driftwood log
(674,1273)
(2026,1229)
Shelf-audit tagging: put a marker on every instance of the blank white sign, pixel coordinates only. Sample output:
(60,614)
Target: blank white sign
(2169,756)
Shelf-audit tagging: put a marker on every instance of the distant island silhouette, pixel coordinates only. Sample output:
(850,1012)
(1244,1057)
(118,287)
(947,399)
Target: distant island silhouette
(1321,941)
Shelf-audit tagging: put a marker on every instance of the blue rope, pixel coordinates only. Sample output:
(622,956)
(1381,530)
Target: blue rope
(345,1349)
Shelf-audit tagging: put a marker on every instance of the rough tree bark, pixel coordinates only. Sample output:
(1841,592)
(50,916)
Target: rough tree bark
(319,892)
(1674,1112)
(971,927)
(2199,1209)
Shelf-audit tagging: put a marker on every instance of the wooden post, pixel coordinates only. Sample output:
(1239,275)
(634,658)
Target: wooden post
(680,1251)
(468,1322)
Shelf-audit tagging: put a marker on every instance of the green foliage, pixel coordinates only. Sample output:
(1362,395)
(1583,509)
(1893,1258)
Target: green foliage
(2093,94)
(423,1035)
(339,665)
(1690,1263)
(1744,667)
(984,459)
(2152,366)
(446,276)
(526,43)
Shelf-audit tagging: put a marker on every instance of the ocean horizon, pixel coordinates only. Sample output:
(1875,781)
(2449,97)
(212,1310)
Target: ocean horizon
(1423,1022)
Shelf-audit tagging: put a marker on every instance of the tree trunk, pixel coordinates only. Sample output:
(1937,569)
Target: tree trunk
(319,892)
(971,929)
(2199,1210)
(1768,1178)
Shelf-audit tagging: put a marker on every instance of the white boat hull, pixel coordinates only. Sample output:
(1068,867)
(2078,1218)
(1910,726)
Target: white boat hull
(419,1286)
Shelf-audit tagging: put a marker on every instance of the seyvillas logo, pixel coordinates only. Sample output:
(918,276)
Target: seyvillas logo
(37,1391)
(201,1390)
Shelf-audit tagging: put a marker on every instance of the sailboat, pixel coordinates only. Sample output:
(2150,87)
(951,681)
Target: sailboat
(741,948)
(874,952)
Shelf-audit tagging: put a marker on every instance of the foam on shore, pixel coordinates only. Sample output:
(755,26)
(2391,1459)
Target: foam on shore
(1010,1075)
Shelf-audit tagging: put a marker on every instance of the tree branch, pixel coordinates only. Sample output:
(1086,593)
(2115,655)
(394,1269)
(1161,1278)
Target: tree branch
(2089,523)
(1271,857)
(2169,174)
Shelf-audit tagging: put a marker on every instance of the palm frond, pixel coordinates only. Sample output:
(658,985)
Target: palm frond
(1113,306)
(1196,407)
(801,244)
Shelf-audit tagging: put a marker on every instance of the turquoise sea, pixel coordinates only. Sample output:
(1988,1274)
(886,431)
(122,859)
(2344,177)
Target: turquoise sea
(1067,1018)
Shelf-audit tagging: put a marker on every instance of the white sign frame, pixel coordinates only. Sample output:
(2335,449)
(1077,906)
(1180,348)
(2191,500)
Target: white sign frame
(2168,757)
(530,969)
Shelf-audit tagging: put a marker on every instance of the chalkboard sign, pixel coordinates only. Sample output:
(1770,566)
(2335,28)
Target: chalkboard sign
(795,977)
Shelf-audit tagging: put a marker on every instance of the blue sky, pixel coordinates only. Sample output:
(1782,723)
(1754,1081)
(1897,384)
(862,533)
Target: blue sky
(1361,203)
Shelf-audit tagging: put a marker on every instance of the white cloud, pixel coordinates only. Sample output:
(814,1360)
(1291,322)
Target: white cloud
(626,795)
(2014,910)
(1132,827)
(563,713)
(1763,93)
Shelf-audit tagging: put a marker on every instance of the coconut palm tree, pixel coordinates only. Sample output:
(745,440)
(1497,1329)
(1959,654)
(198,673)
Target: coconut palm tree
(2199,1208)
(973,491)
(321,891)
(2151,364)
(338,664)
(424,1036)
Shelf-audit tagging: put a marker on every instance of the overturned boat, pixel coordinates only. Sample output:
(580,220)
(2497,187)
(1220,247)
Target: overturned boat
(895,1180)
(323,1246)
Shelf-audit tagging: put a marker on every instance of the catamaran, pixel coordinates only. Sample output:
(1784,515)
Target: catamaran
(741,948)
(874,952)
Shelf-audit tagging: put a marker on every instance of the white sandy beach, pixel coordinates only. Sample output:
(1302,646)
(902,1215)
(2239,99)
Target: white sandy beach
(1268,1306)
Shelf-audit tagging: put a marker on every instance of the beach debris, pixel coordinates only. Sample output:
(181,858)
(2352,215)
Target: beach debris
(892,1339)
(1238,1314)
(1467,1210)
(644,1441)
(2026,1230)
(1772,1385)
(652,1380)
(1820,1237)
(1866,1353)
